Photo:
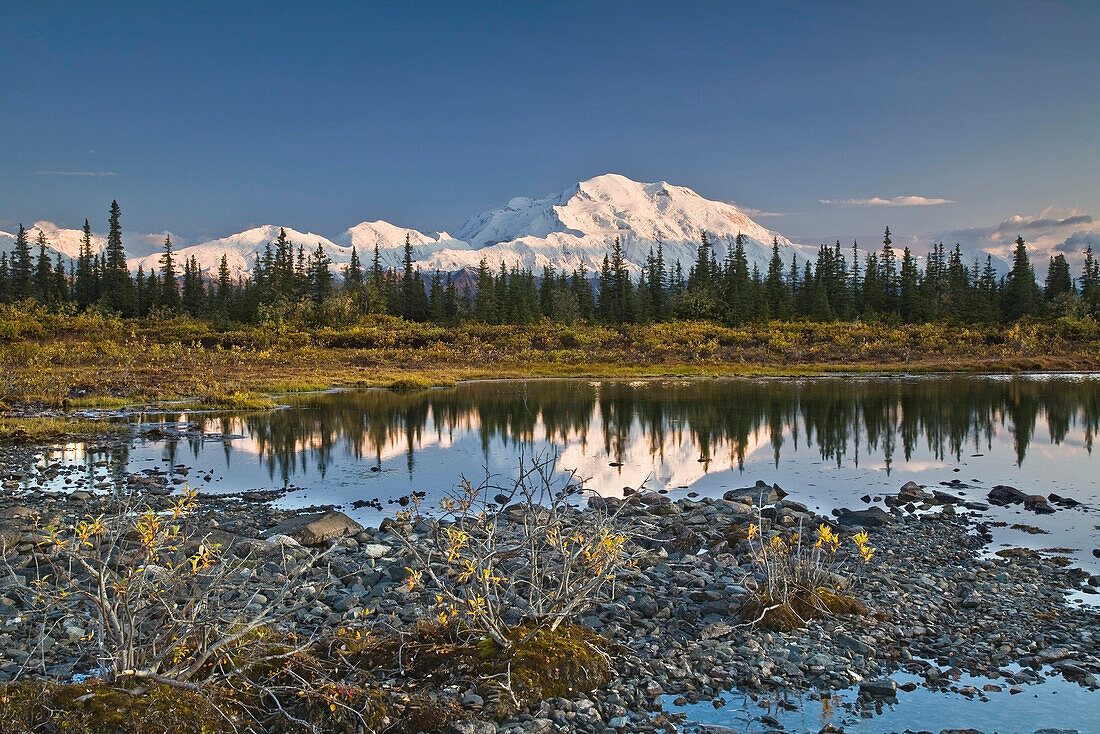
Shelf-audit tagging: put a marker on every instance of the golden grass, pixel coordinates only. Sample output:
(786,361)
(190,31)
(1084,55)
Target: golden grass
(44,356)
(32,430)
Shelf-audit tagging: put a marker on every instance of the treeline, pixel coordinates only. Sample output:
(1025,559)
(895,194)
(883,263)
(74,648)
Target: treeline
(290,282)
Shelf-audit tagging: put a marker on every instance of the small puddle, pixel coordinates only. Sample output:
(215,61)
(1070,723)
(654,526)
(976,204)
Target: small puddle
(1051,703)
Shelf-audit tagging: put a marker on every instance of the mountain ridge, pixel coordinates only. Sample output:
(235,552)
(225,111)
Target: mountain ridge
(568,229)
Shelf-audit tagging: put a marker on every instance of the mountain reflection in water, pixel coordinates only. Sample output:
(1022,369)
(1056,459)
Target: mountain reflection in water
(843,419)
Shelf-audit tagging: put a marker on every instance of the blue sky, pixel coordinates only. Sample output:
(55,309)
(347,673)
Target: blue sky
(205,118)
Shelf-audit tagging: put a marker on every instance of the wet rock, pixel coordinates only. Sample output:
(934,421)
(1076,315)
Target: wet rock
(881,688)
(1002,494)
(912,492)
(1038,503)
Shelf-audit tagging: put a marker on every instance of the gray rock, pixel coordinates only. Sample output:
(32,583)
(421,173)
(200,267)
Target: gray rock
(315,529)
(472,726)
(376,550)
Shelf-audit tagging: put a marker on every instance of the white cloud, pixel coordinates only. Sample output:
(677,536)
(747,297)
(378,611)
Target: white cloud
(895,201)
(76,173)
(1053,230)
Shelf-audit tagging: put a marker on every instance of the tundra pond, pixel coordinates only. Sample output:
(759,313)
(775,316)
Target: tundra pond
(833,442)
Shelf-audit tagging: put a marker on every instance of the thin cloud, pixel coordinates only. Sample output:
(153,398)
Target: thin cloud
(759,213)
(895,201)
(76,173)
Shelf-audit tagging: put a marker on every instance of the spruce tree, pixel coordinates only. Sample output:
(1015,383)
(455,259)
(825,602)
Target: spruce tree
(547,292)
(774,287)
(582,294)
(413,296)
(739,309)
(353,274)
(22,278)
(1059,282)
(888,275)
(485,300)
(85,286)
(320,275)
(169,285)
(1021,296)
(437,308)
(43,273)
(194,294)
(624,292)
(118,289)
(223,296)
(605,284)
(1090,283)
(909,297)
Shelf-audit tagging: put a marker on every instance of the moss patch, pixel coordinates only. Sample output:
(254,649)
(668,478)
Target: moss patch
(558,664)
(236,400)
(27,708)
(563,663)
(799,608)
(410,384)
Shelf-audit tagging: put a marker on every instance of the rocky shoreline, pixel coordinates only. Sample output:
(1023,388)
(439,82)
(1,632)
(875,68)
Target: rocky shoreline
(940,604)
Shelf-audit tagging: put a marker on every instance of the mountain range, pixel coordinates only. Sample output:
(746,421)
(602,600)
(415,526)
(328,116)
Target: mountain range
(568,229)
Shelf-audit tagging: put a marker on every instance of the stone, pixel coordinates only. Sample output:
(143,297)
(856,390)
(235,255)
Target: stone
(912,492)
(315,529)
(715,630)
(870,518)
(18,512)
(472,726)
(881,688)
(376,550)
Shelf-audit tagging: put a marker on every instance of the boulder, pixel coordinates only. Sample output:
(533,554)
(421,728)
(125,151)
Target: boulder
(315,529)
(1038,503)
(1004,495)
(870,518)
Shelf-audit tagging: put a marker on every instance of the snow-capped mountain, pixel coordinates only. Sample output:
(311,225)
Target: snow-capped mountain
(59,239)
(241,249)
(390,240)
(574,227)
(578,226)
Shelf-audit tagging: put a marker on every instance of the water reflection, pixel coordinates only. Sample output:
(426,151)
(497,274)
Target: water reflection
(720,422)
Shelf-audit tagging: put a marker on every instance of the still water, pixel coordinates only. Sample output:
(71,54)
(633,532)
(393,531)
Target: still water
(829,441)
